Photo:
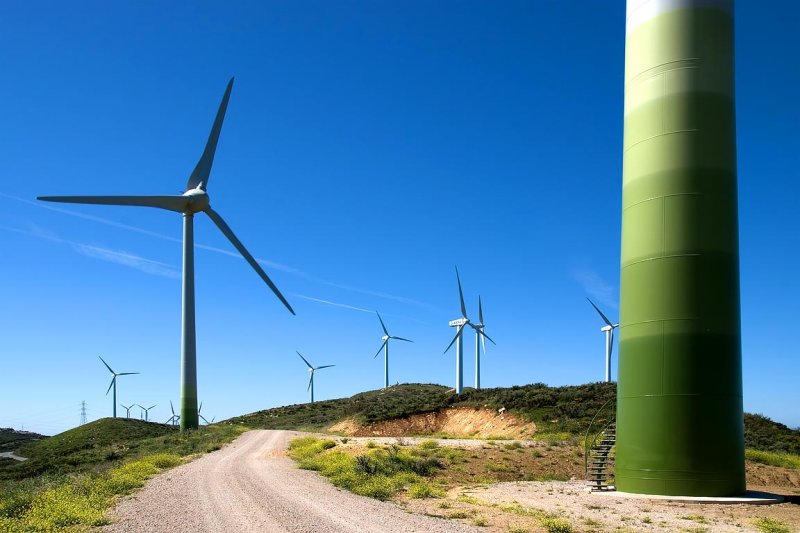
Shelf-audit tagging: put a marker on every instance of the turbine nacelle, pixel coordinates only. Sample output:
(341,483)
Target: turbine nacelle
(458,322)
(197,200)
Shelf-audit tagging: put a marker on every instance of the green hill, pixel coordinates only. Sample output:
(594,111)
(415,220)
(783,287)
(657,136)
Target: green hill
(12,439)
(569,408)
(553,409)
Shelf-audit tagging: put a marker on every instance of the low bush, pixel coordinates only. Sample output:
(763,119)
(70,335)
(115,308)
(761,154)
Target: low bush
(783,460)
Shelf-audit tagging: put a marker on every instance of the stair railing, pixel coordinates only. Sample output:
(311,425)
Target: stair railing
(588,445)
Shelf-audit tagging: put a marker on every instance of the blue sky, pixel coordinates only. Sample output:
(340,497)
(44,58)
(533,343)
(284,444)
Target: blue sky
(368,147)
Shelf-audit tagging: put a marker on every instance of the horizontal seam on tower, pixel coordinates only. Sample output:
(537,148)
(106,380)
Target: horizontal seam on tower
(659,257)
(634,145)
(690,62)
(662,196)
(629,324)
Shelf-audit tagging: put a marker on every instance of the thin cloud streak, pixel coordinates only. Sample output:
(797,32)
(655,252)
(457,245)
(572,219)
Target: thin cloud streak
(142,264)
(269,264)
(596,287)
(335,304)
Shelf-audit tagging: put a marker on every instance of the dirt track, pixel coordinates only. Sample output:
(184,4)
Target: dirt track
(250,486)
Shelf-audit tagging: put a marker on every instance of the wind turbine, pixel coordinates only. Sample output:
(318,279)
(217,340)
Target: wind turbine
(385,348)
(459,323)
(174,418)
(609,330)
(114,383)
(146,411)
(202,417)
(311,370)
(127,409)
(194,200)
(480,338)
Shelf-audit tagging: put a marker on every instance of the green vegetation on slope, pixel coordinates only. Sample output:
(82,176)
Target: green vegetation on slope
(761,433)
(566,409)
(72,478)
(11,439)
(551,408)
(378,473)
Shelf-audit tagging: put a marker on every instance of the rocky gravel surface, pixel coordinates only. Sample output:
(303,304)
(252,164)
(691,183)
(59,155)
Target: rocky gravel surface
(251,486)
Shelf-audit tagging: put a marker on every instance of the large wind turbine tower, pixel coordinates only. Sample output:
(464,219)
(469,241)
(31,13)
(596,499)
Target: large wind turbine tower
(194,200)
(679,396)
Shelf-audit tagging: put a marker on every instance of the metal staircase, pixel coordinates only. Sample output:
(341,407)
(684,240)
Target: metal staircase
(598,453)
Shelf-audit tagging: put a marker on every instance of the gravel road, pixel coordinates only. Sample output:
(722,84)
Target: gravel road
(250,486)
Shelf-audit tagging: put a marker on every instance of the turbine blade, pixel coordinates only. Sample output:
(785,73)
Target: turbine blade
(304,360)
(480,310)
(170,203)
(483,342)
(382,324)
(401,339)
(127,373)
(200,408)
(171,408)
(151,407)
(108,367)
(201,172)
(249,258)
(487,337)
(461,295)
(380,349)
(111,384)
(310,381)
(204,418)
(604,317)
(611,341)
(323,366)
(458,332)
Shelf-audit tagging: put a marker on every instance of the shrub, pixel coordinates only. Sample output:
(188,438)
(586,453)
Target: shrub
(771,525)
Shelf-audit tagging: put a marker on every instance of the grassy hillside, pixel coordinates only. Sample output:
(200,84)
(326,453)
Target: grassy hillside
(11,439)
(553,409)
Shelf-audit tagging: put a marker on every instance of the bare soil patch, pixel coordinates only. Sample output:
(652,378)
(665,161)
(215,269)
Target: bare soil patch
(461,421)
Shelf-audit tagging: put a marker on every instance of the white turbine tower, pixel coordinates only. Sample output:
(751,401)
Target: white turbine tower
(311,370)
(609,331)
(114,383)
(194,200)
(385,348)
(459,323)
(480,338)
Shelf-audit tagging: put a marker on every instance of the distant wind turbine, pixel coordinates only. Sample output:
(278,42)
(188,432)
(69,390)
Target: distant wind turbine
(174,418)
(146,411)
(385,348)
(609,330)
(480,338)
(311,370)
(194,200)
(459,323)
(114,383)
(127,409)
(204,418)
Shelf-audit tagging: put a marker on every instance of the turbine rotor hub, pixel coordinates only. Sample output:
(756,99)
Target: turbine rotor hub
(196,200)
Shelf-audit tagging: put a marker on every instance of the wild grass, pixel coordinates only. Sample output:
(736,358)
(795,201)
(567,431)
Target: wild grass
(79,500)
(74,477)
(783,460)
(771,525)
(379,473)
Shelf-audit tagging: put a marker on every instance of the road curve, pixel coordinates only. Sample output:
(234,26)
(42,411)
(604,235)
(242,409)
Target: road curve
(250,486)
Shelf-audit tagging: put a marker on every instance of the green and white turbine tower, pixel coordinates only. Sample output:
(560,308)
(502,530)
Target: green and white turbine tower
(194,200)
(679,397)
